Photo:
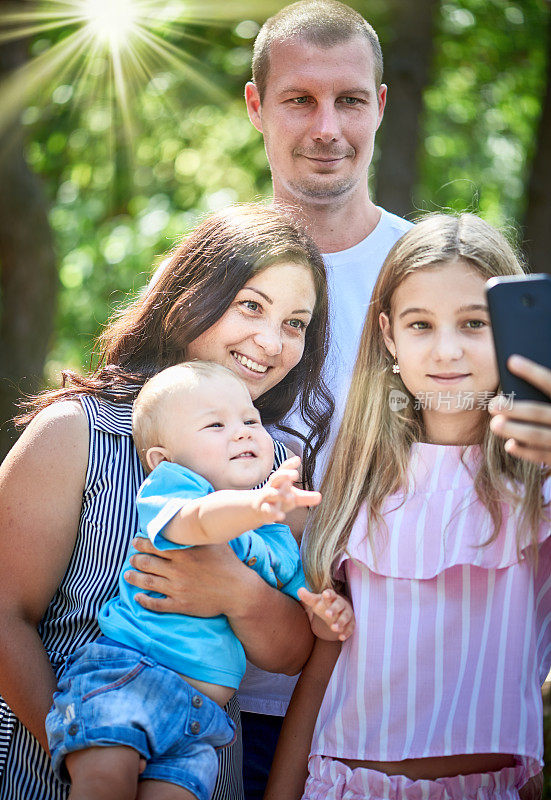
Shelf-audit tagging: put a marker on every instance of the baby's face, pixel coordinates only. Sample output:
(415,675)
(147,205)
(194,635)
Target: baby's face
(214,430)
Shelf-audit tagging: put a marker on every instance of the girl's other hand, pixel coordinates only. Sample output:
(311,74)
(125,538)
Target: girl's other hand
(334,611)
(525,425)
(533,790)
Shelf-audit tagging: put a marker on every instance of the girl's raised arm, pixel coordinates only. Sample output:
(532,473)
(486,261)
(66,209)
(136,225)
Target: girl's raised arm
(41,487)
(290,764)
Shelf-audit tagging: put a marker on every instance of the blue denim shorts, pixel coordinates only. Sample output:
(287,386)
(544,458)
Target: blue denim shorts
(112,695)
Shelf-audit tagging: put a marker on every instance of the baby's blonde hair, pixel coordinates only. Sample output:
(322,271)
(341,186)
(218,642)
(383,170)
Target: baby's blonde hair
(148,412)
(371,454)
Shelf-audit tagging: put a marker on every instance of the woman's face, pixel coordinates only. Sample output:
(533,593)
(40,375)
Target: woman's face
(261,335)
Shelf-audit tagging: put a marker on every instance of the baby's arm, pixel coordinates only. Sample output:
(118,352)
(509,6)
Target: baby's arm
(223,515)
(331,615)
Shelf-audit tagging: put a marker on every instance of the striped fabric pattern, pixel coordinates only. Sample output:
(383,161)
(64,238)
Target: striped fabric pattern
(330,779)
(108,523)
(453,640)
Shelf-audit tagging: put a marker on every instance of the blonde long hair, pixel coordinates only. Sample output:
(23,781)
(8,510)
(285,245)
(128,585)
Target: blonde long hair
(371,454)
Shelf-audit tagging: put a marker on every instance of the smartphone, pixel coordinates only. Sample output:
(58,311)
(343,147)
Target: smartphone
(520,311)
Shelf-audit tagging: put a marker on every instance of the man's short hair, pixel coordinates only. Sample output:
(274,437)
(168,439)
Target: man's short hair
(323,23)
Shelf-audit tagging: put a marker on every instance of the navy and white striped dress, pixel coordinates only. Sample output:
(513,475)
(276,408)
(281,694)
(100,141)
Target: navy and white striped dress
(108,523)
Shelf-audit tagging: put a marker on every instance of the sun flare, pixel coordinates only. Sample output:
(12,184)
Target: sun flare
(111,21)
(132,41)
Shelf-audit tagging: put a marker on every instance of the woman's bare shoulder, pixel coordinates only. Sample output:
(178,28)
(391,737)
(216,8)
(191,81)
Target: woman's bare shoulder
(52,452)
(41,488)
(60,424)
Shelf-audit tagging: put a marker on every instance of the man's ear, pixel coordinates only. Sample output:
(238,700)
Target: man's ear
(155,455)
(381,102)
(254,106)
(386,330)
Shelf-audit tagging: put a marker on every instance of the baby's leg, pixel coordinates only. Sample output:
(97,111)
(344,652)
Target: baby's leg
(103,773)
(160,790)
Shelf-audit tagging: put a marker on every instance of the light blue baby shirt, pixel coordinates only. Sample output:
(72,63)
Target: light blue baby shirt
(202,648)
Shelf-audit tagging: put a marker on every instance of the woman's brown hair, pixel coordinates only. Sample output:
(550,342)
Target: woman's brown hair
(188,295)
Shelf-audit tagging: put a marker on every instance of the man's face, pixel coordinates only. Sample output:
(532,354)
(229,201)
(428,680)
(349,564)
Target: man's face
(319,116)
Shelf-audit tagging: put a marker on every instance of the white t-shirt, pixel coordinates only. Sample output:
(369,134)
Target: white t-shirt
(351,276)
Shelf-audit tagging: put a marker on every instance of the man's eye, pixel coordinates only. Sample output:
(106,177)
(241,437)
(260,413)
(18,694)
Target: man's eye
(300,101)
(351,101)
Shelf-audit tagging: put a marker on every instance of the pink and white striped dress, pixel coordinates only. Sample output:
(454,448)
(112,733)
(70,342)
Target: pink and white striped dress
(452,641)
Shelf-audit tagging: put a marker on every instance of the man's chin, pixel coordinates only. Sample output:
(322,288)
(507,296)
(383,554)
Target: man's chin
(323,189)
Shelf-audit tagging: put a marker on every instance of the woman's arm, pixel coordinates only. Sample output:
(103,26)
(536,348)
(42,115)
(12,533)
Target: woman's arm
(41,486)
(525,425)
(290,764)
(210,580)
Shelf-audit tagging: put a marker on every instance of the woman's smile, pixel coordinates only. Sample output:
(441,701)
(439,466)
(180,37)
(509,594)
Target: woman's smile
(248,363)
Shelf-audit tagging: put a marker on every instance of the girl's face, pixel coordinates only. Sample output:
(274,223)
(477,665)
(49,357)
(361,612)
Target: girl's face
(261,335)
(441,335)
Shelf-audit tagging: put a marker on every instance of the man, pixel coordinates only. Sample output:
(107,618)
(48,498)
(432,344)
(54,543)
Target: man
(318,100)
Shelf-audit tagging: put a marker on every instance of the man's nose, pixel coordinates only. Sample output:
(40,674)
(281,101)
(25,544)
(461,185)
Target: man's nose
(326,125)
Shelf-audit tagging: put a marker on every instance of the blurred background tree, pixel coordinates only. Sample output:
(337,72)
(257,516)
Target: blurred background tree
(121,171)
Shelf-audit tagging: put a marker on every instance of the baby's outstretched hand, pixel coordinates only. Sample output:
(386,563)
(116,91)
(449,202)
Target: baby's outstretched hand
(334,611)
(280,495)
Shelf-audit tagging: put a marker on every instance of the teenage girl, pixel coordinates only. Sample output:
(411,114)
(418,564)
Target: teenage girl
(442,538)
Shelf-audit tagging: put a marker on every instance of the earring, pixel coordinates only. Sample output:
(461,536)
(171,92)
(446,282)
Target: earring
(395,366)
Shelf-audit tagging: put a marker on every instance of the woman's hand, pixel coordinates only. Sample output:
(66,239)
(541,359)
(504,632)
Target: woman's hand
(526,425)
(200,581)
(209,580)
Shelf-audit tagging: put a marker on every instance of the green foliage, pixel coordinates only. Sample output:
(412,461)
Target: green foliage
(125,188)
(123,192)
(483,106)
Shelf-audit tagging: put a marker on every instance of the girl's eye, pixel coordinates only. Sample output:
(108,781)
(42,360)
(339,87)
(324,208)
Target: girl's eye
(252,422)
(475,324)
(419,326)
(297,324)
(215,425)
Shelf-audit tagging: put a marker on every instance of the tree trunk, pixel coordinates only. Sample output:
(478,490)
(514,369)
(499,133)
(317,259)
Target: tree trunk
(28,275)
(537,220)
(408,56)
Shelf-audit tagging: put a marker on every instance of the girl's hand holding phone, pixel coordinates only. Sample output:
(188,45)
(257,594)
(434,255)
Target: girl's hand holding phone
(526,425)
(332,610)
(280,495)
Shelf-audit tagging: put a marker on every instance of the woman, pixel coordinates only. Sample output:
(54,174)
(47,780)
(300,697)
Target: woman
(246,289)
